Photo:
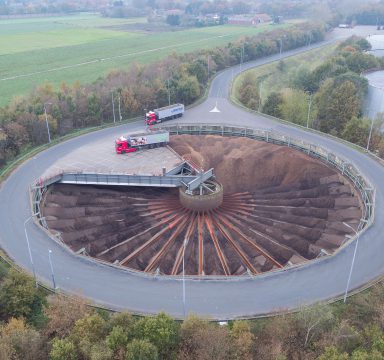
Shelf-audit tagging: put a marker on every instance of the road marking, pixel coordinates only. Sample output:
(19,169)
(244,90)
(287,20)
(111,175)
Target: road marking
(215,109)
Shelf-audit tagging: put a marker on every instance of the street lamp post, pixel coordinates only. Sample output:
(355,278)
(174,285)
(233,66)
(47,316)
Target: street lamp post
(169,92)
(309,109)
(241,55)
(260,94)
(46,120)
(113,109)
(184,245)
(52,273)
(208,66)
(120,117)
(29,250)
(353,260)
(370,134)
(373,120)
(281,47)
(145,116)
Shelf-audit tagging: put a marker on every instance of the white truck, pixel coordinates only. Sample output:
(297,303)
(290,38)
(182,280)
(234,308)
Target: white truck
(165,113)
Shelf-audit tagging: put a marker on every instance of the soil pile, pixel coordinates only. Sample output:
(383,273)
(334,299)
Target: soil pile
(280,208)
(242,164)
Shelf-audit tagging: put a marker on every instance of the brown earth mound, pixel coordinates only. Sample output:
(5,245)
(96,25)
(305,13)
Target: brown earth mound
(280,208)
(242,164)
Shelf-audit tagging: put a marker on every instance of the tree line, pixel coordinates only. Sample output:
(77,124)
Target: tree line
(35,325)
(127,93)
(328,98)
(368,14)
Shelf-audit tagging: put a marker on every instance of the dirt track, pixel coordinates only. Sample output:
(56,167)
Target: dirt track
(280,207)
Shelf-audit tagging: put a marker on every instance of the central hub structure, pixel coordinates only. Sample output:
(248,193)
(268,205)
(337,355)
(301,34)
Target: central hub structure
(208,197)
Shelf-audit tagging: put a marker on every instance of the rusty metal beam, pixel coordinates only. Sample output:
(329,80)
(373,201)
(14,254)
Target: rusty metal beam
(155,260)
(223,260)
(159,212)
(154,238)
(179,256)
(216,219)
(200,236)
(162,222)
(248,240)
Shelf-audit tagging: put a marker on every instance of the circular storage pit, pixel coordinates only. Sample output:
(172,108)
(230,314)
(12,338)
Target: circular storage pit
(279,208)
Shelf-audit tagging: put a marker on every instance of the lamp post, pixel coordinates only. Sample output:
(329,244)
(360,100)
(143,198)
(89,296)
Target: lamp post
(353,260)
(46,120)
(260,94)
(169,92)
(370,133)
(208,66)
(373,120)
(281,47)
(309,109)
(29,250)
(52,273)
(241,55)
(184,245)
(145,116)
(113,109)
(120,117)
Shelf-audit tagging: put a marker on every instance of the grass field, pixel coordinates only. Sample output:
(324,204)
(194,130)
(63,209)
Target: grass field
(274,79)
(86,46)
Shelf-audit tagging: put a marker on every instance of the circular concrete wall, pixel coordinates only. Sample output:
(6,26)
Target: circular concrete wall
(202,202)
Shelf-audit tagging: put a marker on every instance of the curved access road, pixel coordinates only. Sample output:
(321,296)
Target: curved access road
(227,299)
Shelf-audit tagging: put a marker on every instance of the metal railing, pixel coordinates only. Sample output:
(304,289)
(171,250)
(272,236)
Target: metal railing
(167,180)
(347,169)
(362,185)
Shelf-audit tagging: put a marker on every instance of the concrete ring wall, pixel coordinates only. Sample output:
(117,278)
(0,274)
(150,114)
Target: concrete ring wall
(202,202)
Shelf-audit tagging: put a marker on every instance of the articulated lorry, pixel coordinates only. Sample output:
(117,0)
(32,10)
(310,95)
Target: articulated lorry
(145,140)
(163,114)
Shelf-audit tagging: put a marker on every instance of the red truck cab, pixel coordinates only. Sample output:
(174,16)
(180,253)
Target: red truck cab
(122,146)
(150,118)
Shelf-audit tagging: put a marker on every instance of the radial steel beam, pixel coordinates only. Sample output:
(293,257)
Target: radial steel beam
(216,219)
(153,239)
(160,223)
(222,258)
(250,242)
(179,256)
(155,260)
(200,236)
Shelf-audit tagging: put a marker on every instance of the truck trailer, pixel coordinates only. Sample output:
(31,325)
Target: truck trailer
(165,113)
(145,140)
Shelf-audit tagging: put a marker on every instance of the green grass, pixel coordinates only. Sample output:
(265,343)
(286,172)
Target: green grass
(85,47)
(60,37)
(274,79)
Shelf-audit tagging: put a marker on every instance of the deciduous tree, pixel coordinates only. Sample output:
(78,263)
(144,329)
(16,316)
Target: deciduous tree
(19,297)
(62,313)
(63,349)
(161,331)
(139,349)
